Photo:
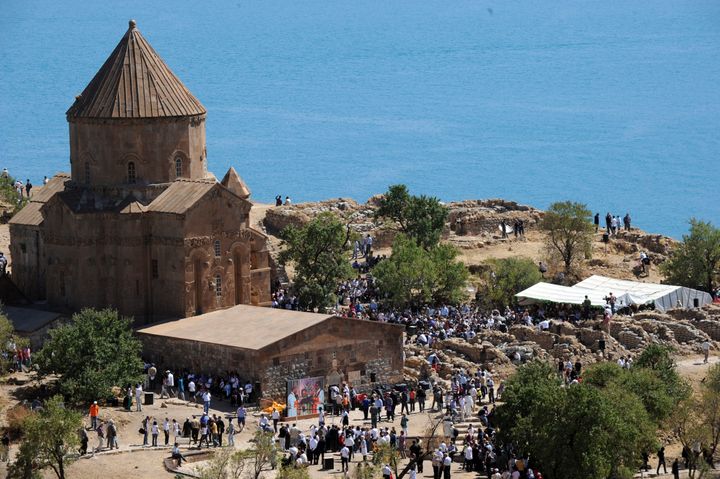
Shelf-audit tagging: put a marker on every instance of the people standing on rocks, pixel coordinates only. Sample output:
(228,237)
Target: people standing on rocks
(627,221)
(596,221)
(28,187)
(608,222)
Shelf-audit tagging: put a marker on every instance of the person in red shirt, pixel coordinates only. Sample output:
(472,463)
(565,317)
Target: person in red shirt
(94,413)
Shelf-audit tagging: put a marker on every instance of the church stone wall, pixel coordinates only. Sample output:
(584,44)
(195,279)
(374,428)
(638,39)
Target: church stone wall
(28,260)
(107,146)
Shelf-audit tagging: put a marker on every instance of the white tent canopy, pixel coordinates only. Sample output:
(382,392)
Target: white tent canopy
(554,293)
(663,296)
(597,288)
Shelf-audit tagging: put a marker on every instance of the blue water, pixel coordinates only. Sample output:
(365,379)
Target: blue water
(613,103)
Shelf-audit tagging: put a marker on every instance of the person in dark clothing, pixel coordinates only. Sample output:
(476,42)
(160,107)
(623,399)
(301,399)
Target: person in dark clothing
(320,450)
(416,454)
(661,461)
(221,430)
(596,220)
(645,458)
(586,304)
(676,469)
(608,222)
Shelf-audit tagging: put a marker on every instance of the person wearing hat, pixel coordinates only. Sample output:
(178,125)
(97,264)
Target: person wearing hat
(94,413)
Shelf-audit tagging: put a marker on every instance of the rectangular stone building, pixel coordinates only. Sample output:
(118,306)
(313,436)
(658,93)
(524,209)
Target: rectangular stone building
(271,346)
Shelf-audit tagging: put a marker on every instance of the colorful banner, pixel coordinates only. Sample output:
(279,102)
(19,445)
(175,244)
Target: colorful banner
(304,396)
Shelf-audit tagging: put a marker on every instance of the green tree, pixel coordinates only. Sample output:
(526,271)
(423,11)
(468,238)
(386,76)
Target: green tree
(407,277)
(414,276)
(602,432)
(421,218)
(569,231)
(508,276)
(451,276)
(696,261)
(318,251)
(235,464)
(93,353)
(50,437)
(658,358)
(646,384)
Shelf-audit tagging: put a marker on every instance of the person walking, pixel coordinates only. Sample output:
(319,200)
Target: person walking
(100,437)
(206,401)
(661,461)
(344,458)
(231,434)
(275,418)
(706,351)
(675,469)
(166,430)
(241,413)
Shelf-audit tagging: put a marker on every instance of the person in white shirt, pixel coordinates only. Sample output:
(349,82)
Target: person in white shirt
(468,457)
(386,471)
(206,401)
(192,390)
(138,397)
(344,458)
(275,418)
(447,462)
(264,423)
(350,443)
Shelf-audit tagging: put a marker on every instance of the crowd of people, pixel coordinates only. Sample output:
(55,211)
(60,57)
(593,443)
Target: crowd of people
(22,190)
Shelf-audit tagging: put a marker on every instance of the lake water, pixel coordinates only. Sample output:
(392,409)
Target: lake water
(614,103)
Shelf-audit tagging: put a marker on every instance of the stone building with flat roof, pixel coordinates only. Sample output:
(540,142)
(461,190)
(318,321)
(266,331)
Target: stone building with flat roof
(140,224)
(271,346)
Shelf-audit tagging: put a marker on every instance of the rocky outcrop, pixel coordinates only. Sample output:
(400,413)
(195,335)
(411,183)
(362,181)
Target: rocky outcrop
(628,336)
(478,217)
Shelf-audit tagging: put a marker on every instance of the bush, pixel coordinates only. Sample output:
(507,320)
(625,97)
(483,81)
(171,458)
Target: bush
(15,417)
(506,277)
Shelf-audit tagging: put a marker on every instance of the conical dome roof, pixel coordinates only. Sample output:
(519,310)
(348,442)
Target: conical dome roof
(134,82)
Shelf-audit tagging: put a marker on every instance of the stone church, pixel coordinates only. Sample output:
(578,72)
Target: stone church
(140,224)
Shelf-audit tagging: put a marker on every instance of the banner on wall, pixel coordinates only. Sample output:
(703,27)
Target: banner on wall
(304,396)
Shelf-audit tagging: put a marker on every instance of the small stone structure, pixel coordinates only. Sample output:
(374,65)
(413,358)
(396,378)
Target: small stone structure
(271,346)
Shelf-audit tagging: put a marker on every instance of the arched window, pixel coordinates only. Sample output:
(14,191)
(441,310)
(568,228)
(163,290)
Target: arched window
(178,167)
(131,172)
(87,173)
(218,285)
(216,246)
